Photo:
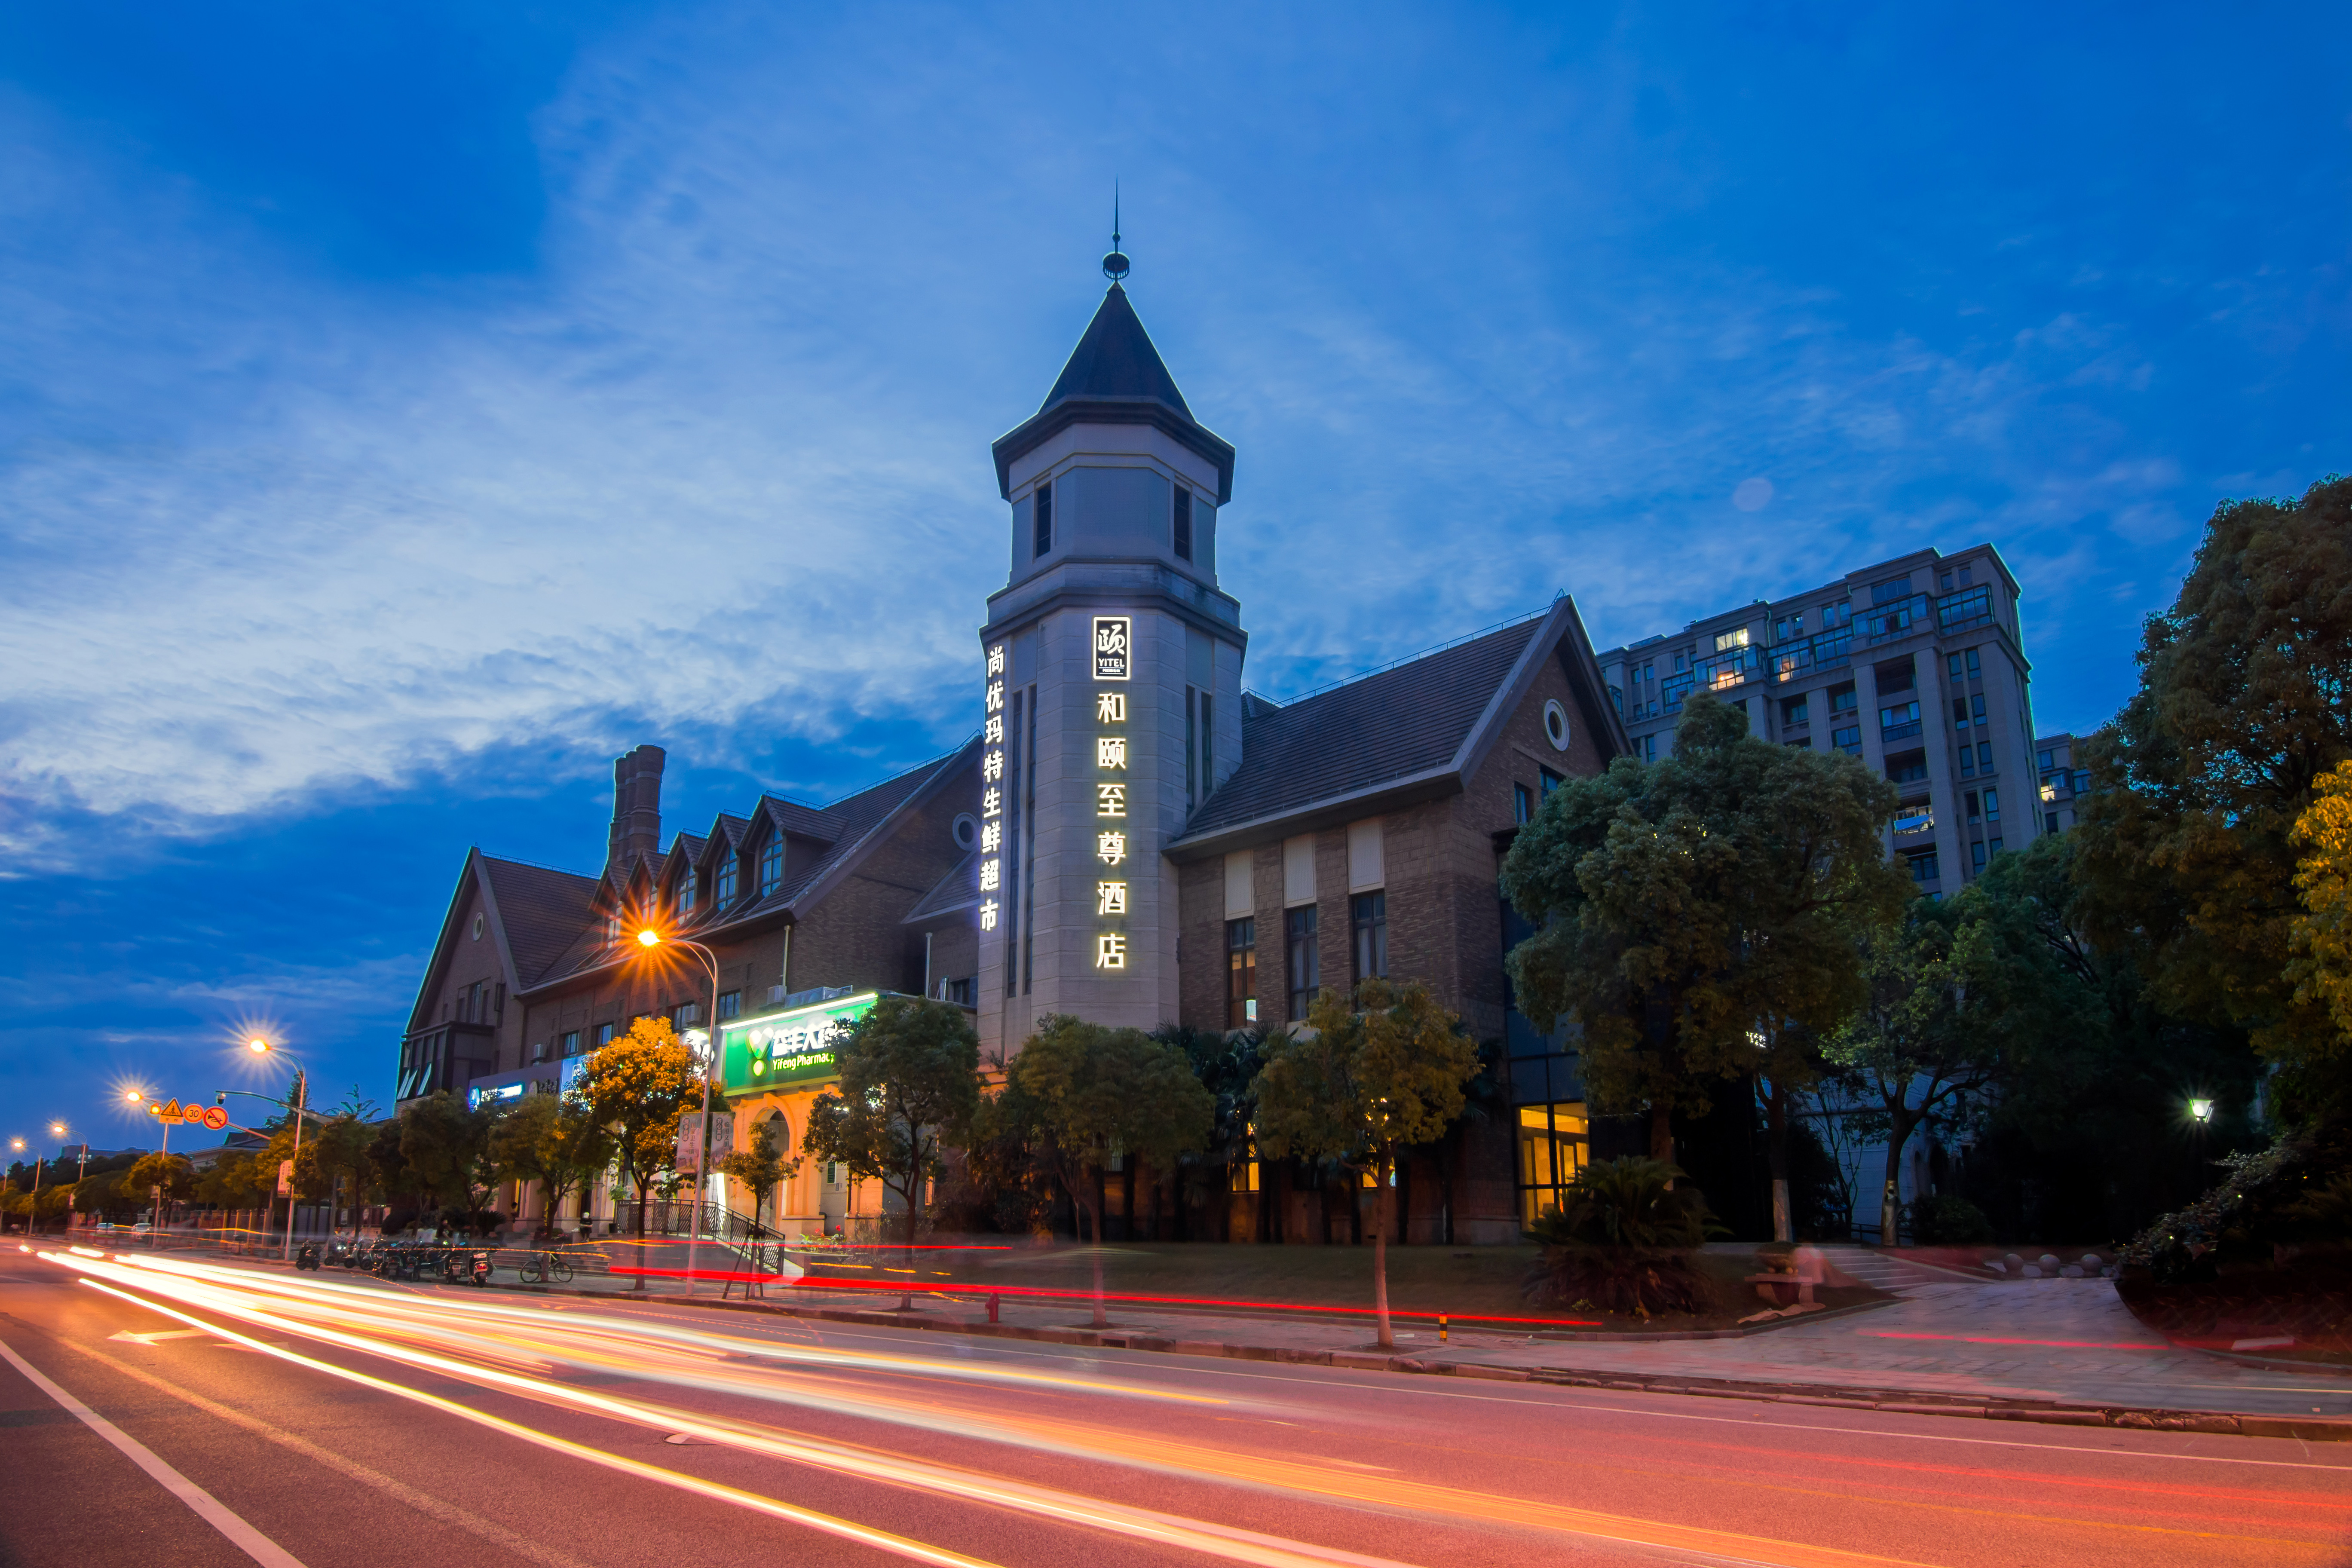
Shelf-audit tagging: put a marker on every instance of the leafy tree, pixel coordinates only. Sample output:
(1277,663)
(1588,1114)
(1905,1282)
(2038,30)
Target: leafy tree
(559,1145)
(1687,907)
(639,1088)
(763,1166)
(909,1082)
(1090,1094)
(1623,1239)
(169,1171)
(1356,1087)
(446,1146)
(1227,1064)
(2187,846)
(234,1182)
(2322,935)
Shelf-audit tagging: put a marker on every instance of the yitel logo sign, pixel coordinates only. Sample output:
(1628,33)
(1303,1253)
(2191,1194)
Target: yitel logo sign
(1113,646)
(791,1050)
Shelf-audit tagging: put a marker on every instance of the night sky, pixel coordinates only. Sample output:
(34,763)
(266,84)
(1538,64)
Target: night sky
(404,412)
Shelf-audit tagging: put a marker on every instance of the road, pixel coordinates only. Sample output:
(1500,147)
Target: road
(328,1421)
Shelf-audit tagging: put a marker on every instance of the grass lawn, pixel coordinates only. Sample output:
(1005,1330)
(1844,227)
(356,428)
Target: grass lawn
(1464,1283)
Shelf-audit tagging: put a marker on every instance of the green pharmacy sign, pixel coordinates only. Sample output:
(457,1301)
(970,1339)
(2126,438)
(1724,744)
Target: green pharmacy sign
(789,1050)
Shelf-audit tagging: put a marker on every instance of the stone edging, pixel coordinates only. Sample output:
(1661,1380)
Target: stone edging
(1741,1333)
(2315,1430)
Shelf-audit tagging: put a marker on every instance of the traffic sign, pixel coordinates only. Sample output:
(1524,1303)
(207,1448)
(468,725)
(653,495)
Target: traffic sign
(215,1118)
(285,1178)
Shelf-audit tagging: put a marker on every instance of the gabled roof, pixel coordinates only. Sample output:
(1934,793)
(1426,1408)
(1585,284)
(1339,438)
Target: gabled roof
(804,821)
(1410,731)
(1115,376)
(686,850)
(539,911)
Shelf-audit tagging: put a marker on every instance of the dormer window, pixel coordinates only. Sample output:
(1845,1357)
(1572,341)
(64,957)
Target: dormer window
(726,883)
(772,864)
(1183,523)
(686,894)
(1044,519)
(612,926)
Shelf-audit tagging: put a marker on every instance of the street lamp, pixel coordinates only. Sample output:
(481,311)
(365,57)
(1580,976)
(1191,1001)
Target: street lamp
(81,1168)
(648,937)
(2200,1112)
(32,1210)
(297,1102)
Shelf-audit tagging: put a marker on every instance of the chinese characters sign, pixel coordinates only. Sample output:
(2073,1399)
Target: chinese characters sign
(1113,635)
(991,792)
(1113,656)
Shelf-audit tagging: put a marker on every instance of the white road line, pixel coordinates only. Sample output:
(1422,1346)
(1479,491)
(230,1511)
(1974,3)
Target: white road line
(207,1507)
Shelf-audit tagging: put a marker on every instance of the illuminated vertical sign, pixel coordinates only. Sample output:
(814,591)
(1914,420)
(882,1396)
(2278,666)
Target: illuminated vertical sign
(992,791)
(1114,661)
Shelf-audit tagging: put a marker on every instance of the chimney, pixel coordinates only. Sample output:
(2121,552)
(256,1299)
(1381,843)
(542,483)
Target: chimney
(636,809)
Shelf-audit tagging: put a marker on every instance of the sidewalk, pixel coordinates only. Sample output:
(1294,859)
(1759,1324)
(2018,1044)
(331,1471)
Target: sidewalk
(2048,1350)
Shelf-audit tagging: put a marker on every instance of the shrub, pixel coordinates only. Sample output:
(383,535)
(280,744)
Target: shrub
(2266,1204)
(1624,1240)
(1948,1221)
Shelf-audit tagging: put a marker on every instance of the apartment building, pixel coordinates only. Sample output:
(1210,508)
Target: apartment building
(1916,665)
(2066,780)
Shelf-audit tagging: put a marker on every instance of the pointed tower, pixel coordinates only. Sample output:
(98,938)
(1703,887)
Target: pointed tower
(1113,687)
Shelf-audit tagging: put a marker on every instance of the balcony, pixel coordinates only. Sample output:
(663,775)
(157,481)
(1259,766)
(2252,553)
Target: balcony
(1885,623)
(1914,819)
(1831,650)
(1969,607)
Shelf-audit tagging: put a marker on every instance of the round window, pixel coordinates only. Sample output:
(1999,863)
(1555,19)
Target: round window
(967,830)
(477,926)
(1555,725)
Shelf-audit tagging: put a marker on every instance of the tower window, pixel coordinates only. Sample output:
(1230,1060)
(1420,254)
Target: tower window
(1523,804)
(1044,519)
(1183,523)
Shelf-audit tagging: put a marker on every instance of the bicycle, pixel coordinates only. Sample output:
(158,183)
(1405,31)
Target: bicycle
(545,1268)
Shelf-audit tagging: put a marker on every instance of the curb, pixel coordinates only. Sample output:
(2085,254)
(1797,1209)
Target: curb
(2055,1413)
(1734,1333)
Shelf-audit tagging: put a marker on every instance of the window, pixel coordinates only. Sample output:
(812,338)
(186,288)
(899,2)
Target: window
(2049,821)
(571,1043)
(1944,582)
(1044,519)
(613,925)
(1726,641)
(1649,748)
(1833,616)
(1800,741)
(2082,781)
(1912,769)
(2042,757)
(1967,573)
(1523,804)
(686,894)
(1977,707)
(1967,762)
(1208,744)
(1959,712)
(1617,699)
(1984,756)
(772,864)
(1976,667)
(1971,798)
(1899,721)
(726,881)
(1183,523)
(686,1015)
(1994,846)
(1924,867)
(730,1005)
(1842,702)
(604,1034)
(1894,588)
(1847,740)
(1977,853)
(1300,959)
(1793,712)
(1371,932)
(1191,744)
(1992,806)
(1551,781)
(1678,663)
(1552,1147)
(1240,974)
(1788,628)
(539,1050)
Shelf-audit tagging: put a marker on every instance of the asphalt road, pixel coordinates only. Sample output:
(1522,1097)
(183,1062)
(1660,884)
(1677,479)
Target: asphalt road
(326,1421)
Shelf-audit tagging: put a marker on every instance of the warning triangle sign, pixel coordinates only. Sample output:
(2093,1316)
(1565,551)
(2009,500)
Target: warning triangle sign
(171,1112)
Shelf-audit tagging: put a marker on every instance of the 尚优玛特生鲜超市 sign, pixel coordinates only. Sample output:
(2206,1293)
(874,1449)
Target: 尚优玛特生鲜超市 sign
(788,1050)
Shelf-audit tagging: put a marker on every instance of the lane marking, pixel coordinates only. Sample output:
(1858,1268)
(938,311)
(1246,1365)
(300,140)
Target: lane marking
(241,1535)
(497,1534)
(150,1337)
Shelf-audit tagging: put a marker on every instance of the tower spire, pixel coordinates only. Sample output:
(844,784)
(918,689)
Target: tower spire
(1115,264)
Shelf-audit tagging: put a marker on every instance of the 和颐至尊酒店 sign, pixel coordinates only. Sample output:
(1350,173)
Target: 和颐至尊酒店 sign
(789,1050)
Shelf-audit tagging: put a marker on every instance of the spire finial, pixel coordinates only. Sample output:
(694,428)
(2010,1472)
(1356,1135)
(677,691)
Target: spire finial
(1115,266)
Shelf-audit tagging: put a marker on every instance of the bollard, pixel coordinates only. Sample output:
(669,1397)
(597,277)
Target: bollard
(991,1306)
(1441,1328)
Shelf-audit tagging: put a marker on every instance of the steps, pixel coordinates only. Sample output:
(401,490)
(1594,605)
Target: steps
(1878,1270)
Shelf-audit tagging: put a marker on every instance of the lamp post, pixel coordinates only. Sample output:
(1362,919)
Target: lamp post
(649,939)
(298,1102)
(32,1210)
(81,1167)
(155,1209)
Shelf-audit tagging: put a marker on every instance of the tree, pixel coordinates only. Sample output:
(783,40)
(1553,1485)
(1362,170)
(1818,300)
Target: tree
(1687,908)
(763,1167)
(2321,937)
(910,1082)
(171,1172)
(1356,1086)
(1092,1094)
(559,1145)
(447,1146)
(640,1087)
(2188,845)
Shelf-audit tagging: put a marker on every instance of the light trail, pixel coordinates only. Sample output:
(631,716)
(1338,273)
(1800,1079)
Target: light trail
(374,1322)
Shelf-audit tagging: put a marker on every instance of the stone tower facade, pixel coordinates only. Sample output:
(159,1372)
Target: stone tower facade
(1112,669)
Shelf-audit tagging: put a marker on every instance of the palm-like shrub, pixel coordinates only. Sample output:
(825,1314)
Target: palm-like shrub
(1624,1240)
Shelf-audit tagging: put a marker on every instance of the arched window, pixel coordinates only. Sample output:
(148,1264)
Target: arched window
(772,864)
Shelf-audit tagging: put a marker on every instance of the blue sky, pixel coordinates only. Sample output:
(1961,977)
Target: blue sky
(401,415)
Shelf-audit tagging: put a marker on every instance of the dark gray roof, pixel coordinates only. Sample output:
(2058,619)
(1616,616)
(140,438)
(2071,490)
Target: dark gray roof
(1115,376)
(543,912)
(805,821)
(1116,359)
(1392,724)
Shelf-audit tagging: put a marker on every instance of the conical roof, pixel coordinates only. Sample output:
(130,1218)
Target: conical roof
(1115,376)
(1116,359)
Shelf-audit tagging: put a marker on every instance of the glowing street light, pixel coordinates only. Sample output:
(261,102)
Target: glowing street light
(649,938)
(2200,1112)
